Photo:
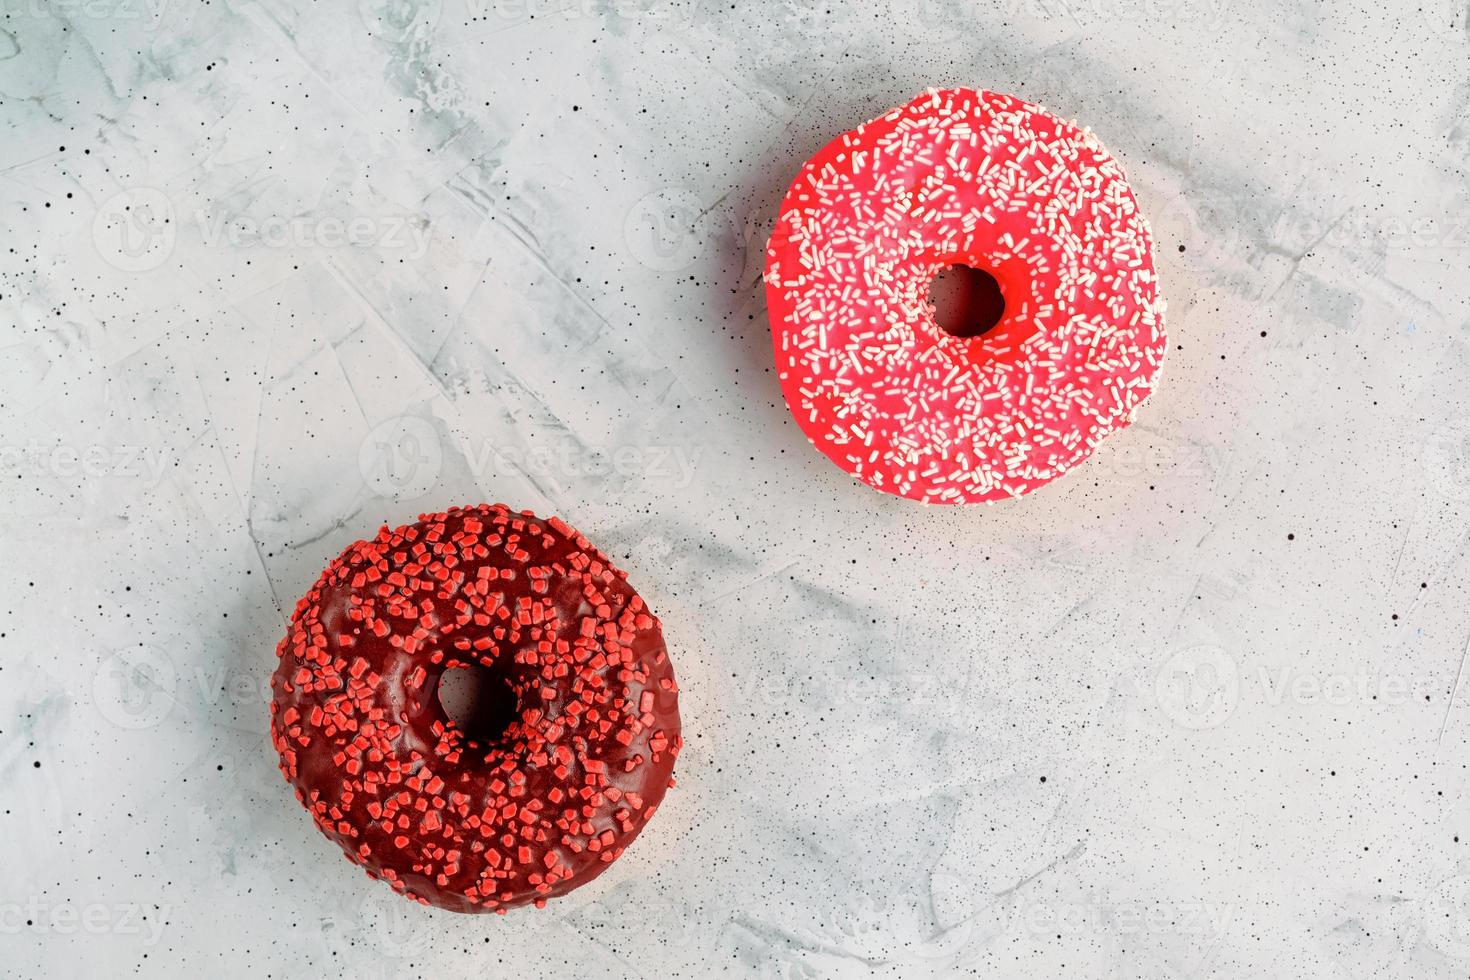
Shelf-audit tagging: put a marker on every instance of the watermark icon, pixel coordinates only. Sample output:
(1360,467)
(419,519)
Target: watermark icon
(936,21)
(1125,918)
(1446,461)
(395,233)
(134,230)
(401,459)
(669,229)
(397,21)
(94,461)
(663,229)
(135,688)
(149,11)
(138,688)
(1198,228)
(392,924)
(1198,687)
(38,917)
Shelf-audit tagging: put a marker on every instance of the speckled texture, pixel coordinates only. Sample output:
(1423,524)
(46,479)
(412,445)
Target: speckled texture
(1252,769)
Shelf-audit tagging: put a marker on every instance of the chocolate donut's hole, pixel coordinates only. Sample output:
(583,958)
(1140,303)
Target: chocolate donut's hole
(478,701)
(967,301)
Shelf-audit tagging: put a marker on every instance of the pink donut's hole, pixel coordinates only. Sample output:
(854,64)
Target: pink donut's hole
(479,702)
(967,301)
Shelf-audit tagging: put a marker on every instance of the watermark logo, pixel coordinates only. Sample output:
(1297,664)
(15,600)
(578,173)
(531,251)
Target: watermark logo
(663,229)
(670,229)
(1198,228)
(1201,687)
(394,925)
(134,230)
(135,688)
(1198,687)
(934,20)
(397,21)
(141,687)
(401,458)
(1446,461)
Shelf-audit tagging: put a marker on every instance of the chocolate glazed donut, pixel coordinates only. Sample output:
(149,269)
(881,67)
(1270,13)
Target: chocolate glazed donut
(477,824)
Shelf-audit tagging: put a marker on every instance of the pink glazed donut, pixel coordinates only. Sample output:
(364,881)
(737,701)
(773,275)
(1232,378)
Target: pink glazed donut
(980,179)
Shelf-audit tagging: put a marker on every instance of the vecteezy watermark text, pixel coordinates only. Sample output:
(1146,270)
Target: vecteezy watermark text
(1127,918)
(39,917)
(1201,687)
(137,230)
(396,233)
(93,461)
(518,11)
(402,457)
(151,11)
(1207,12)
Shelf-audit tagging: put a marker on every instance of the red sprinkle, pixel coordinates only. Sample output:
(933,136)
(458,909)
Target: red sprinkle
(442,818)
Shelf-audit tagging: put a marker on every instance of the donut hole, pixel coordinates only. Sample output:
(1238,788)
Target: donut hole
(967,301)
(478,701)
